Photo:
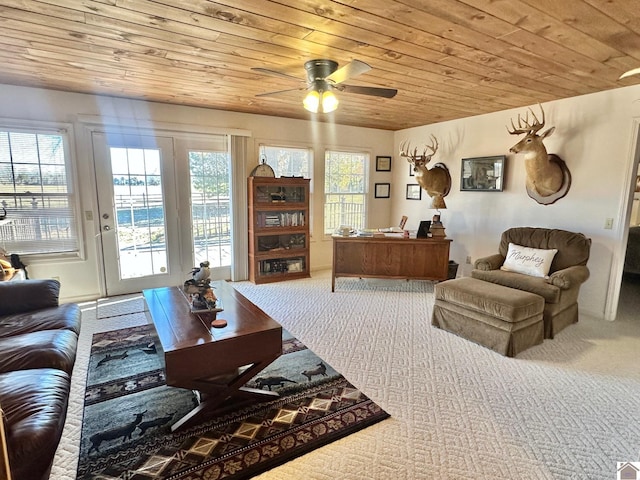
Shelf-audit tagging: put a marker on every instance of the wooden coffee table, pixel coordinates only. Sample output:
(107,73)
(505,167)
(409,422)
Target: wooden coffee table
(214,361)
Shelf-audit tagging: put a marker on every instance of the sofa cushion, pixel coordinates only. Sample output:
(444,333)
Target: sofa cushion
(35,406)
(23,296)
(529,261)
(45,349)
(66,316)
(537,285)
(573,248)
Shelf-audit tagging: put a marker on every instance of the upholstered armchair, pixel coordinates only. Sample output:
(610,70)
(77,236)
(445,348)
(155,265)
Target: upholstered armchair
(559,287)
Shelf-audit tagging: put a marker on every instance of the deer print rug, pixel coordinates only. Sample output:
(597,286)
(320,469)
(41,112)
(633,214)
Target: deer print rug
(128,412)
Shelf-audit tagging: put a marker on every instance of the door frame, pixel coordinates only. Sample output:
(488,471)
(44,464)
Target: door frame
(240,151)
(101,143)
(617,264)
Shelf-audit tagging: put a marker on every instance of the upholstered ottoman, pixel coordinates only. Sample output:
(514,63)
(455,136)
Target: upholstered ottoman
(500,318)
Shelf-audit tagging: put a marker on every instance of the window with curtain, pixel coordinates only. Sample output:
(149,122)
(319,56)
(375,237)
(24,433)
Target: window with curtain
(345,189)
(37,193)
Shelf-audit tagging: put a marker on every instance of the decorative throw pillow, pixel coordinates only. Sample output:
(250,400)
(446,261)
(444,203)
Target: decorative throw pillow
(530,261)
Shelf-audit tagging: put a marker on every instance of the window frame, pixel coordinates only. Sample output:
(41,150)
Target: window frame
(285,146)
(192,150)
(66,131)
(366,181)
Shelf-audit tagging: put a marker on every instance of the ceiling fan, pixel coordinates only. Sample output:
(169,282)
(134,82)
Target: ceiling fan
(324,76)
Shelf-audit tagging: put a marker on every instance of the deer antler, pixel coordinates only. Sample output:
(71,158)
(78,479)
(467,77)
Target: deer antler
(524,126)
(412,156)
(405,151)
(433,147)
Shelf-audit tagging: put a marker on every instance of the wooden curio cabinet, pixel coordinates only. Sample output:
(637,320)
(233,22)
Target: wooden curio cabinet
(278,229)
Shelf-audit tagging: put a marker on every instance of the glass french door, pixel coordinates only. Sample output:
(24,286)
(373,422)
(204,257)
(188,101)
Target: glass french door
(204,174)
(137,203)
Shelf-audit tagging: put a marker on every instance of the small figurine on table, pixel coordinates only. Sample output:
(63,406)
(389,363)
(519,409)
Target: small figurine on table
(199,288)
(202,273)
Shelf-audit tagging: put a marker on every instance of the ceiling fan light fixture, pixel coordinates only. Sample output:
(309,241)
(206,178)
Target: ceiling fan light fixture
(312,101)
(329,102)
(320,101)
(323,77)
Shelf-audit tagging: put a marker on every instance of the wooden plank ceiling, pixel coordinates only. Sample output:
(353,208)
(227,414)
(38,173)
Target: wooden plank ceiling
(448,59)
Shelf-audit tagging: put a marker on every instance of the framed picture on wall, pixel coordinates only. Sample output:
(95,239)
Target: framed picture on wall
(483,174)
(383,164)
(411,174)
(414,192)
(382,190)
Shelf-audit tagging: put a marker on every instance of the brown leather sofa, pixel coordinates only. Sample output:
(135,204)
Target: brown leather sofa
(38,342)
(567,273)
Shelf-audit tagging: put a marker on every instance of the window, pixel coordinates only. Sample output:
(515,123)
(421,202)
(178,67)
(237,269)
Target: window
(140,232)
(210,208)
(36,189)
(345,188)
(291,162)
(288,162)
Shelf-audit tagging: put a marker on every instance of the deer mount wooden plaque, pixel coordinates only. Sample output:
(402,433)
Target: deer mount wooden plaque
(548,177)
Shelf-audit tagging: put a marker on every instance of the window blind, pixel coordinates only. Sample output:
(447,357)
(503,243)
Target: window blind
(37,193)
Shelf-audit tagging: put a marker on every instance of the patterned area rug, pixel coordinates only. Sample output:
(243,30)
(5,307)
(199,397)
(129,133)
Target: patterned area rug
(128,412)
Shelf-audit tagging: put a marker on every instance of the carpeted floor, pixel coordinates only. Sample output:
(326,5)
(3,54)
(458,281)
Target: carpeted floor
(560,410)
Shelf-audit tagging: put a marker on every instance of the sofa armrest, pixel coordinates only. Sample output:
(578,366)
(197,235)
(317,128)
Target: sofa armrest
(569,277)
(28,295)
(492,262)
(5,470)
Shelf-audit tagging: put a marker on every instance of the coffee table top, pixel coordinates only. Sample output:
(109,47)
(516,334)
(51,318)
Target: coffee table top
(178,328)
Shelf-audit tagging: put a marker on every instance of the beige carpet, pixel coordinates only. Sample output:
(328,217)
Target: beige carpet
(565,409)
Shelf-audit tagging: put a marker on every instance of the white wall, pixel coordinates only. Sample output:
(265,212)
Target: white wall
(80,278)
(595,135)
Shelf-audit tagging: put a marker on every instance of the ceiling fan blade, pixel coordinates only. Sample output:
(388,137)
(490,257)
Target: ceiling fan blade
(350,70)
(635,71)
(276,73)
(269,94)
(374,91)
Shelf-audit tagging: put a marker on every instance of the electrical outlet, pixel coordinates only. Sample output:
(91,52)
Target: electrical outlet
(469,259)
(608,224)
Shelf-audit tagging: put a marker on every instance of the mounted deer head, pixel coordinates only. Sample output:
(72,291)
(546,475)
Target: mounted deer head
(548,177)
(435,181)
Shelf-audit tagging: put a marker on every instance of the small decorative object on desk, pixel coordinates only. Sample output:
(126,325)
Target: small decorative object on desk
(437,229)
(199,291)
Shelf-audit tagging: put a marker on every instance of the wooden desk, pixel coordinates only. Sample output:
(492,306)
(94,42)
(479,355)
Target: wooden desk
(390,257)
(206,359)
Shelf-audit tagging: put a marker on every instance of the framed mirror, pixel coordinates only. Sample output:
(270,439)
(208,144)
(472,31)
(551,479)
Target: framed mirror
(483,174)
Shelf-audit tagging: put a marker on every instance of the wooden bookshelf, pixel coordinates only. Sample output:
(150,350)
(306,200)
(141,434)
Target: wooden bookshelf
(278,229)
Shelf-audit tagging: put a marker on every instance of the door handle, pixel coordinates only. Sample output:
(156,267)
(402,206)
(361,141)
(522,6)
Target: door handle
(106,228)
